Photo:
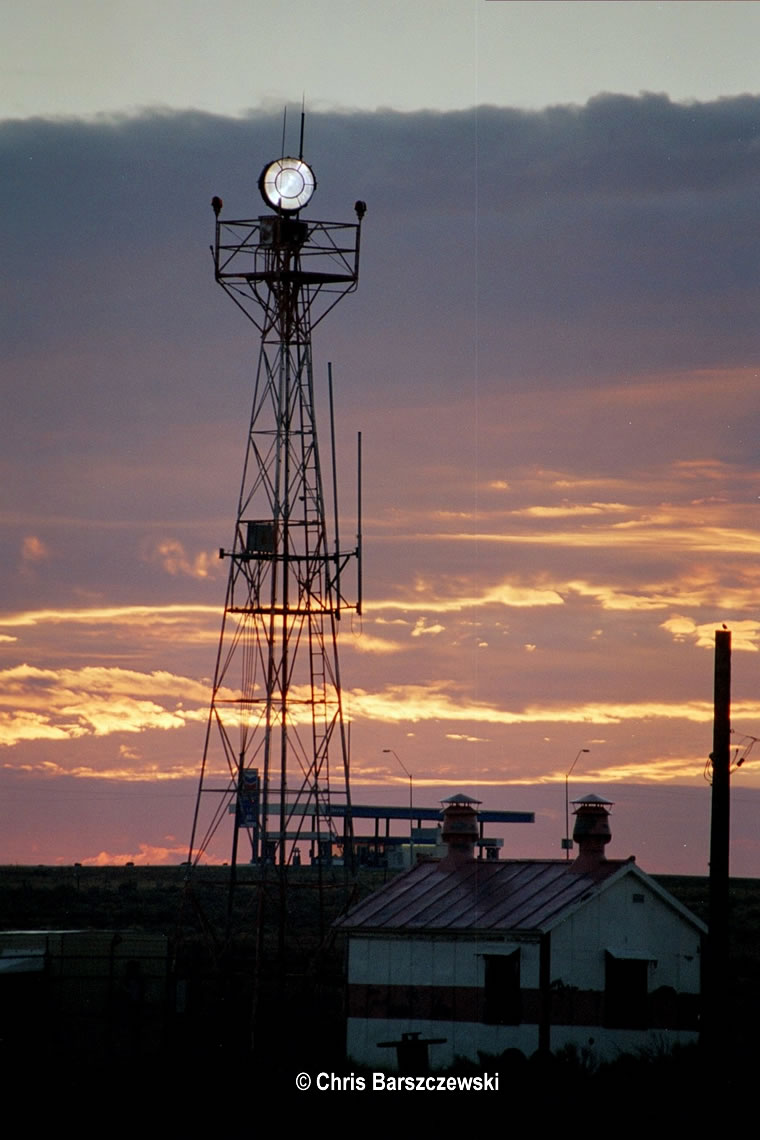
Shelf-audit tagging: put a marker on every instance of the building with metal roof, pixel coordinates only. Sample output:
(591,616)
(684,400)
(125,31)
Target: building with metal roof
(484,956)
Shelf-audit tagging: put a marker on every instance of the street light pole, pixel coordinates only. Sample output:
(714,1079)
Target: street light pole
(404,769)
(567,842)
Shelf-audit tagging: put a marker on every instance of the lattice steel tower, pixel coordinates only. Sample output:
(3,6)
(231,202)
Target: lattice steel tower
(276,718)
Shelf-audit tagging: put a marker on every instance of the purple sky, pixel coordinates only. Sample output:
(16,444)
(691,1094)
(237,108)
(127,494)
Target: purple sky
(552,357)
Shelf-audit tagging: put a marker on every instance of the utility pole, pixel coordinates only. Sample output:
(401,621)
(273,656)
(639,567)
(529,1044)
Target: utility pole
(716,980)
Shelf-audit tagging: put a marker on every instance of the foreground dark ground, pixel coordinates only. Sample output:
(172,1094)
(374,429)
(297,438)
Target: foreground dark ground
(242,995)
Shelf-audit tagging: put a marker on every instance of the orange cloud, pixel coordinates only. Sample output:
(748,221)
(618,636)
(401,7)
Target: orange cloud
(23,725)
(367,643)
(744,634)
(146,855)
(33,549)
(610,598)
(421,629)
(65,704)
(172,556)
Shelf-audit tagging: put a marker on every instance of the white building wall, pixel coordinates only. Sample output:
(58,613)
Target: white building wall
(430,961)
(613,921)
(435,961)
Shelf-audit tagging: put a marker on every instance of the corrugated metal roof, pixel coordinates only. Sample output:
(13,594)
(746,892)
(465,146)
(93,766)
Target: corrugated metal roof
(525,895)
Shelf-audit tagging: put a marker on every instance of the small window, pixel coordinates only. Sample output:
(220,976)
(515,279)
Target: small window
(625,992)
(638,898)
(503,1004)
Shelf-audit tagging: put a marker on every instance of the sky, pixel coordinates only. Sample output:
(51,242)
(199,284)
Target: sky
(552,357)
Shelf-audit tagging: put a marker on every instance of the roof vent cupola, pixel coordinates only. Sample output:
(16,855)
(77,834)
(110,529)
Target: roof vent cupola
(591,831)
(460,827)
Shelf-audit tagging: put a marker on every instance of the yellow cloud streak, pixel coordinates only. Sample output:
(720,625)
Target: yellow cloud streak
(504,594)
(657,770)
(710,539)
(68,704)
(132,775)
(168,615)
(690,590)
(684,592)
(421,703)
(570,510)
(104,679)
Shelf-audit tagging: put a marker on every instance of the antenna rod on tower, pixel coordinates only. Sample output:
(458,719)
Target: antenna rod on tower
(303,122)
(359,523)
(335,490)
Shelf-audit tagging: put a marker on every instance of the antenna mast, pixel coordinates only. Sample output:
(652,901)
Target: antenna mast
(275,758)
